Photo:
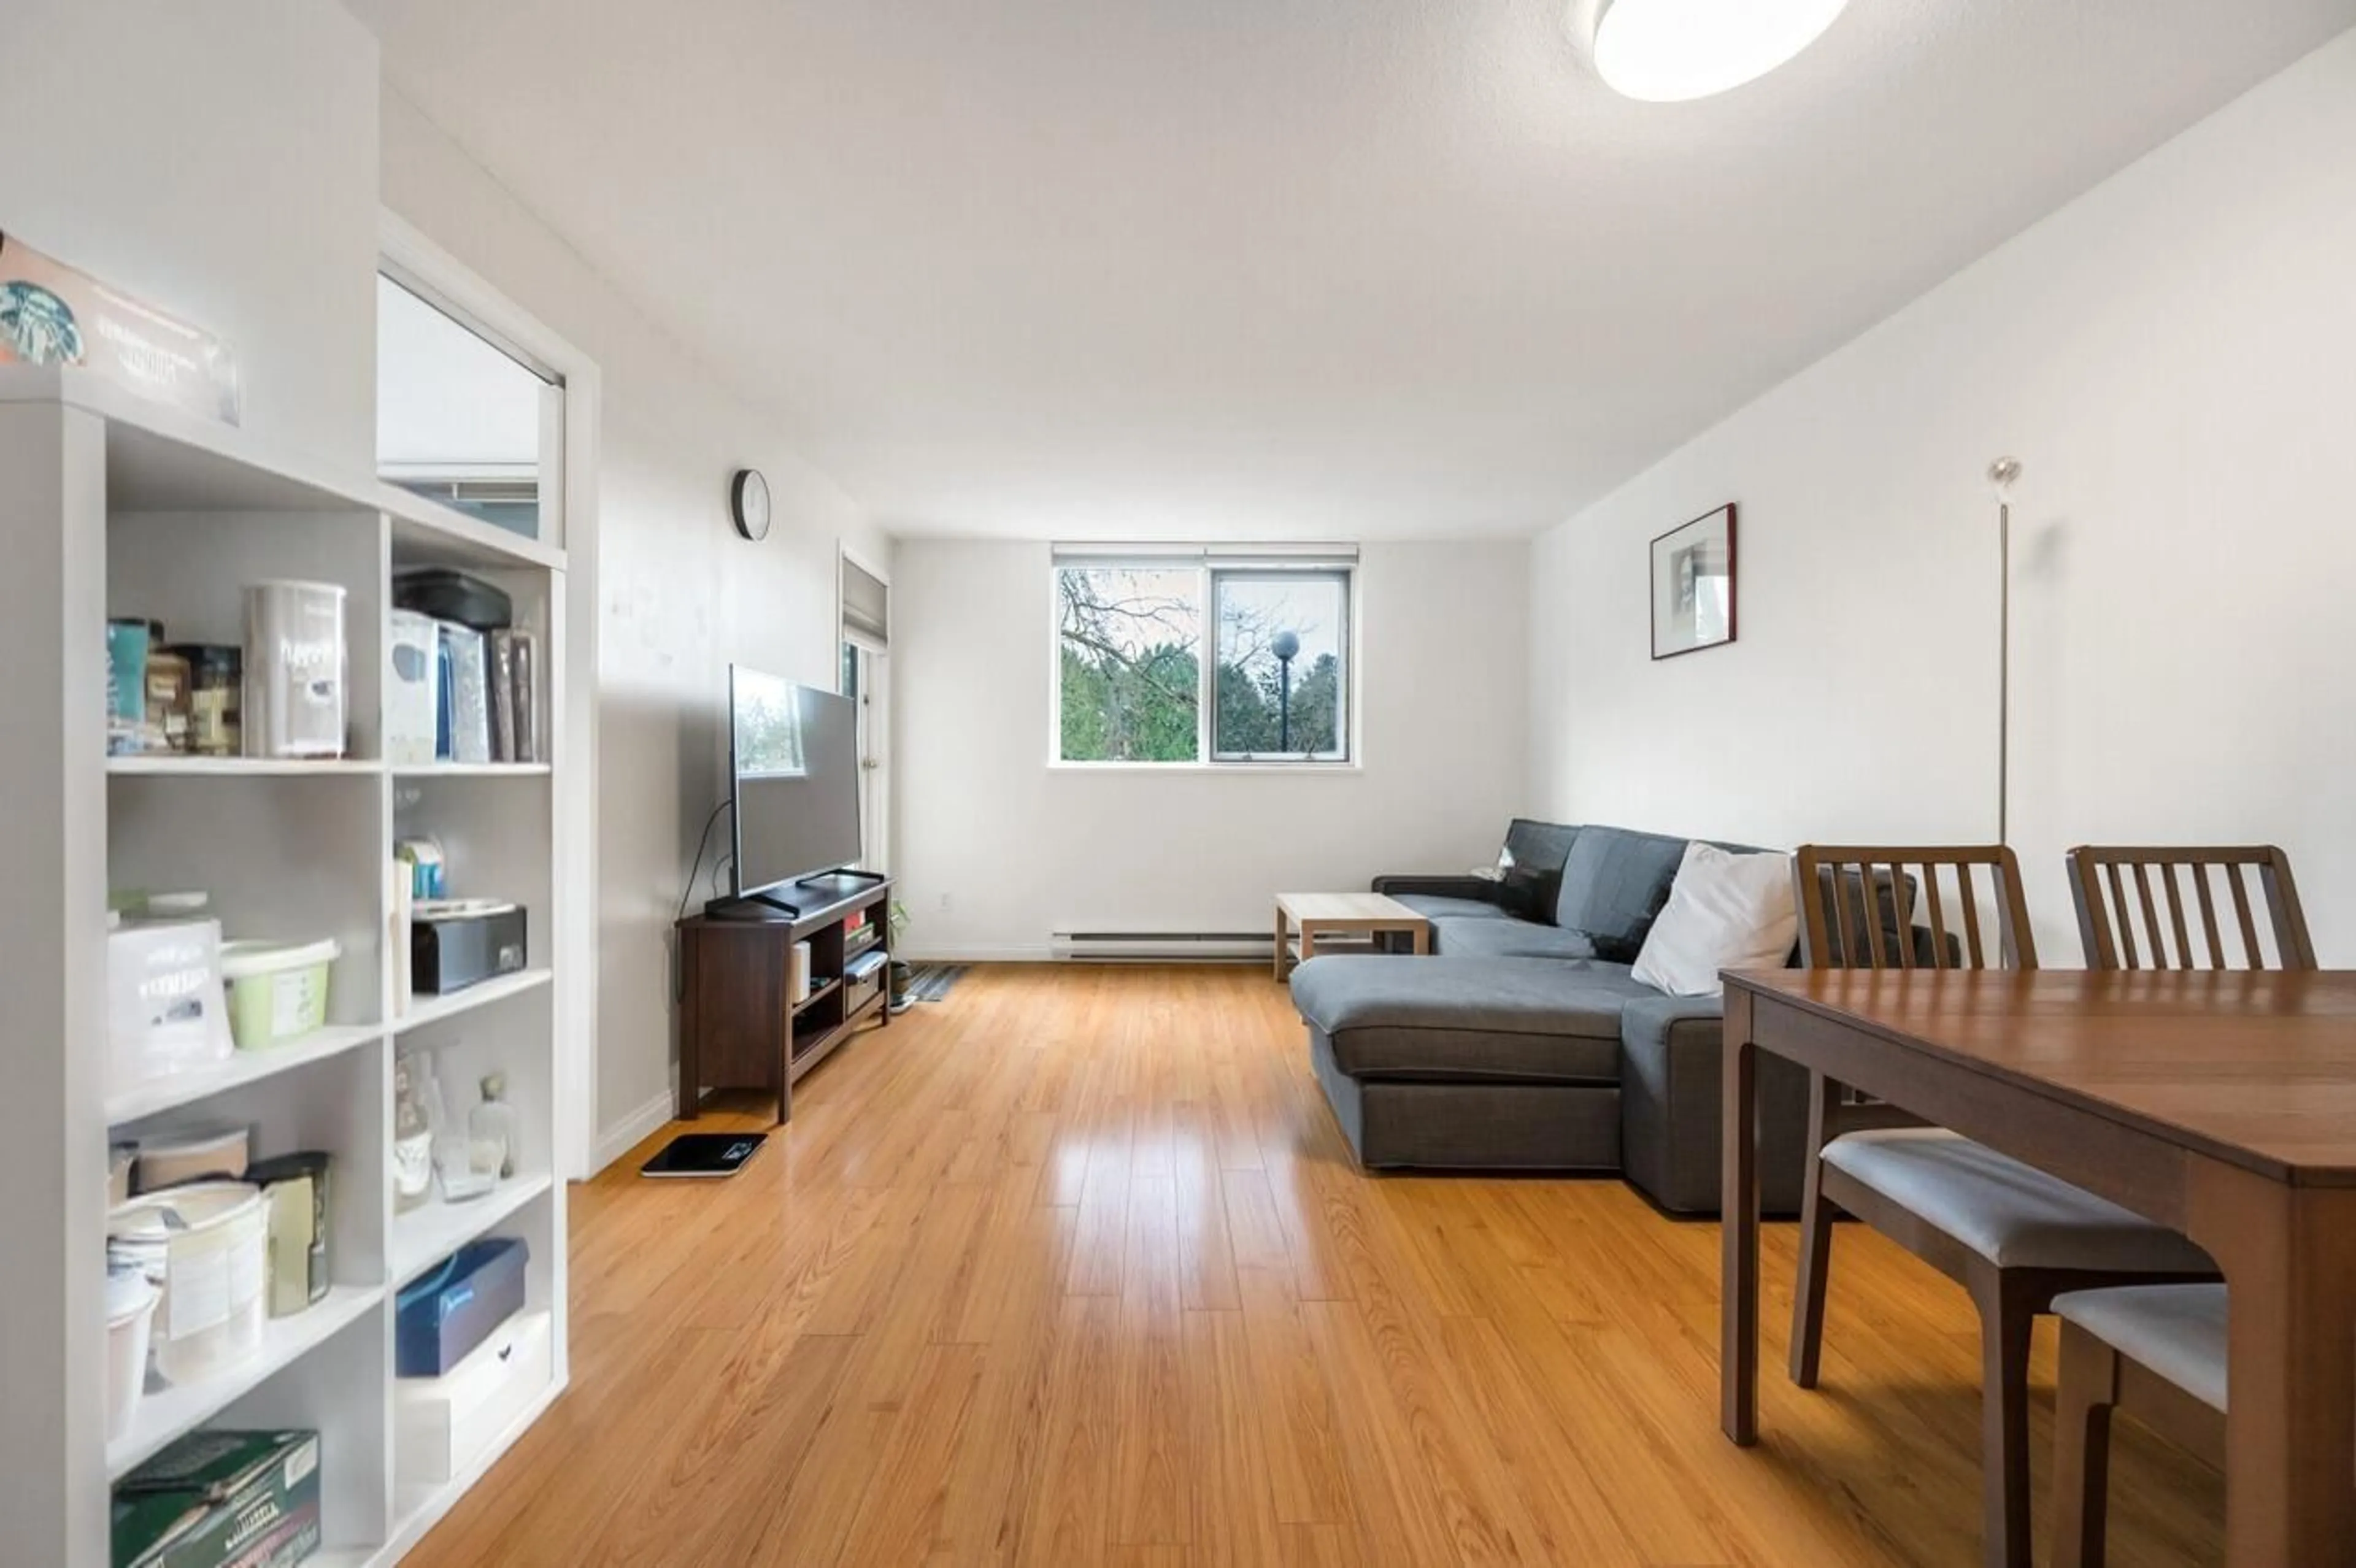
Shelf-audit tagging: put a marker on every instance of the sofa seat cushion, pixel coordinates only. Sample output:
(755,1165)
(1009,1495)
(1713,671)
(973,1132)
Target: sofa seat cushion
(1530,1020)
(1509,939)
(1614,884)
(1434,907)
(2177,1330)
(2012,1214)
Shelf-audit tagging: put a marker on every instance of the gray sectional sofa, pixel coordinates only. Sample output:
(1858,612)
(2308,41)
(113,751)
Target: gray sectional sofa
(1523,1043)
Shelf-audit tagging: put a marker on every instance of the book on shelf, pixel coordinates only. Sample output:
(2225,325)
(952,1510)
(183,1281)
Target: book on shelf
(465,696)
(502,677)
(515,697)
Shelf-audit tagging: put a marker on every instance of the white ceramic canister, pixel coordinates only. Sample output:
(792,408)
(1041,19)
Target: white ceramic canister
(297,669)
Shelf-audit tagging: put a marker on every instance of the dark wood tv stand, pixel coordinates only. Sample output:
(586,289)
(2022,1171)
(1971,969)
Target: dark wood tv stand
(739,1027)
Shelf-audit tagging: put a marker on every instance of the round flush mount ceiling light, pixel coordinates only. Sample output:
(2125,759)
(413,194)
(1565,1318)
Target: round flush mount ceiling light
(1667,51)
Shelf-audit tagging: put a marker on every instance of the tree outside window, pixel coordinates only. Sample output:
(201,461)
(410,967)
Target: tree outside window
(1130,644)
(1132,686)
(1282,639)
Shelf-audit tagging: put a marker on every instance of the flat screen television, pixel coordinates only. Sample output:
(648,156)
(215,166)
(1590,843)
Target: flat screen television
(794,753)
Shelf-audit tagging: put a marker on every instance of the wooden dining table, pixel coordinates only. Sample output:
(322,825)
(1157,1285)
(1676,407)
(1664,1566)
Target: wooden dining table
(2222,1104)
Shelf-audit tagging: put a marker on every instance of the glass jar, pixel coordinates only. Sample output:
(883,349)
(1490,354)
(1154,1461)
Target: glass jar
(491,1127)
(167,698)
(412,1134)
(215,673)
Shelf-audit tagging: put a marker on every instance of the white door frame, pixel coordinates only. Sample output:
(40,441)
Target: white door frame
(877,692)
(417,263)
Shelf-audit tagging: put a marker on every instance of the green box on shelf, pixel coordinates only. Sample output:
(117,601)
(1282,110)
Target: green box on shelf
(221,1499)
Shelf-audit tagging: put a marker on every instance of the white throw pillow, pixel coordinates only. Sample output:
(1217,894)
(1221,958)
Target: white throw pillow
(1725,912)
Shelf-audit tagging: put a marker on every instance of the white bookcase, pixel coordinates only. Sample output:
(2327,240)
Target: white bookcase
(113,505)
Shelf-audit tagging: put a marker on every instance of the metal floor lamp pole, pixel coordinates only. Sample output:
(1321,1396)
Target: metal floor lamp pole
(2001,474)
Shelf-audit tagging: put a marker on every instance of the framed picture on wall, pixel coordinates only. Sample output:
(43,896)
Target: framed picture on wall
(1692,585)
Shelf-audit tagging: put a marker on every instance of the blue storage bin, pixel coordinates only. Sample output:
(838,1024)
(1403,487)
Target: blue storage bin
(453,1308)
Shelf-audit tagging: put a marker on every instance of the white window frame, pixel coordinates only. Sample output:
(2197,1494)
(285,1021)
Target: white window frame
(1344,576)
(875,780)
(417,263)
(1210,565)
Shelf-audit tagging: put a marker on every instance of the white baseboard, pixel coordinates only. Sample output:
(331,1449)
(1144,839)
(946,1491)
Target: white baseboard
(623,1135)
(916,953)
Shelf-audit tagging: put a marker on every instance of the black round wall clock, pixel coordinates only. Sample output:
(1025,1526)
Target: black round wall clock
(748,503)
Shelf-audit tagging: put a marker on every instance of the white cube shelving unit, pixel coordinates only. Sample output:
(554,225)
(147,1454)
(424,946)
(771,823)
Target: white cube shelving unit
(110,505)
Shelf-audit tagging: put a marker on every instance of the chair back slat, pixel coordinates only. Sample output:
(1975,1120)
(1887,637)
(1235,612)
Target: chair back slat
(2208,901)
(1971,924)
(2150,916)
(1870,917)
(1905,946)
(2119,901)
(2233,880)
(2120,932)
(1840,921)
(2168,880)
(1842,887)
(1939,956)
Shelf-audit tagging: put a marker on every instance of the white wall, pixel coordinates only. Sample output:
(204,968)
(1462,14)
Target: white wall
(2173,357)
(682,595)
(217,161)
(1019,849)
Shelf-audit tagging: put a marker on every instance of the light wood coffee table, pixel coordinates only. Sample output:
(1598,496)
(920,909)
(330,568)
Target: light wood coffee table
(1359,914)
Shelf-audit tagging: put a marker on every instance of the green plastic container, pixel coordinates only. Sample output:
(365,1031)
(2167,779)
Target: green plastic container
(277,990)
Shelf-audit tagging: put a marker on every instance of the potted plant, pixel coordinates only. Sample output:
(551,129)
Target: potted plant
(904,974)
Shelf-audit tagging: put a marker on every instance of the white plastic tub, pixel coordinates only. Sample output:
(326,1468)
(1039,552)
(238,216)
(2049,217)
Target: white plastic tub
(130,1314)
(277,990)
(207,1249)
(297,669)
(179,1159)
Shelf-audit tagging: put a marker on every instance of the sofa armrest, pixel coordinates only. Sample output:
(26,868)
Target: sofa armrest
(1672,1073)
(1460,886)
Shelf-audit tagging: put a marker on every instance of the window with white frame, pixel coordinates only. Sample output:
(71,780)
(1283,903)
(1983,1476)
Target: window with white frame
(1194,656)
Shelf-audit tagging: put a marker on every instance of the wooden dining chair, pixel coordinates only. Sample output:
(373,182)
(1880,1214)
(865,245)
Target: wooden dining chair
(2120,920)
(2156,1351)
(2013,1236)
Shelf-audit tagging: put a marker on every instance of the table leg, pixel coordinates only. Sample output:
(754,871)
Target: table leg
(1737,1366)
(1279,941)
(1308,941)
(1422,934)
(2289,1256)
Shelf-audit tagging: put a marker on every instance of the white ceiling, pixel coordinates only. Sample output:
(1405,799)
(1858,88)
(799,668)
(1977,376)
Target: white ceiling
(1320,268)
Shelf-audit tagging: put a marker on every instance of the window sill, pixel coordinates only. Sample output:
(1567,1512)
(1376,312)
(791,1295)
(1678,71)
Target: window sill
(1057,765)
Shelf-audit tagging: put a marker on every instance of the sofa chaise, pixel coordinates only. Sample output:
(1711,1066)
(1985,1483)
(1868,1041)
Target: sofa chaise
(1524,1044)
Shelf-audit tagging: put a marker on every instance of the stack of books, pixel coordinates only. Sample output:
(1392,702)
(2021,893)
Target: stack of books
(490,697)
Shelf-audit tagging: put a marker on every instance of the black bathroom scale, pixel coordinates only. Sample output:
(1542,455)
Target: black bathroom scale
(704,1154)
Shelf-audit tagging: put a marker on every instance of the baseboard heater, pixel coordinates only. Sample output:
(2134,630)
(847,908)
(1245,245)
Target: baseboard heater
(1163,946)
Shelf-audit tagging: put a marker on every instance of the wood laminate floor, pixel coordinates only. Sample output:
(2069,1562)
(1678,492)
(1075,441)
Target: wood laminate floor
(1073,1268)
